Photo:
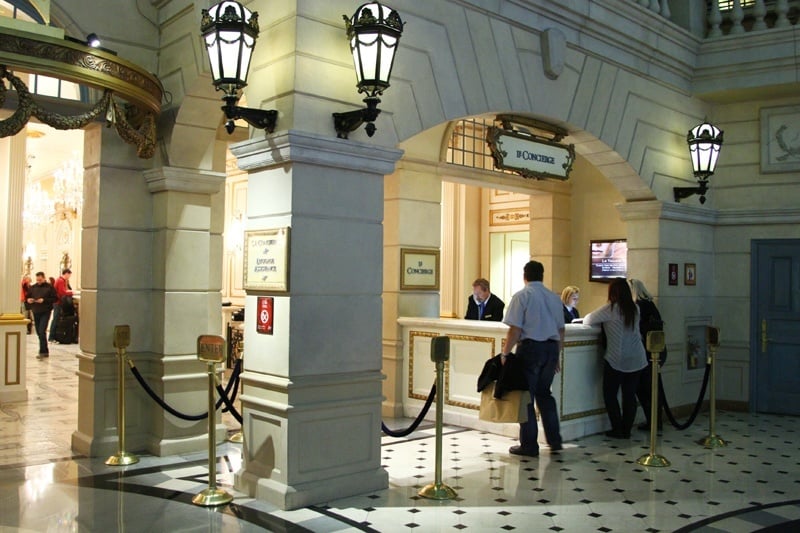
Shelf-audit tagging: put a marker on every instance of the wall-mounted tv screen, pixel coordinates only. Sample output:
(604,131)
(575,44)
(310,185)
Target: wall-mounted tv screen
(608,259)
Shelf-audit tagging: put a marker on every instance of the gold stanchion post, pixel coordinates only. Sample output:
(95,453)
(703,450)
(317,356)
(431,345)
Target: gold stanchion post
(122,339)
(440,353)
(211,349)
(712,440)
(655,345)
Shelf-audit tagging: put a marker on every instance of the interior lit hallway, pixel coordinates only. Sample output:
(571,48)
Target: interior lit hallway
(594,484)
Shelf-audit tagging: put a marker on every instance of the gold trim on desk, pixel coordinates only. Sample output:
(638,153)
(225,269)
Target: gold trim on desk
(9,353)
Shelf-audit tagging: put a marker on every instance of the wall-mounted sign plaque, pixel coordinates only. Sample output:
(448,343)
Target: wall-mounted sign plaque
(419,269)
(266,260)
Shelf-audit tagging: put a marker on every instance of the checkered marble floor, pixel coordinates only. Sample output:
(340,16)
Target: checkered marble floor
(594,484)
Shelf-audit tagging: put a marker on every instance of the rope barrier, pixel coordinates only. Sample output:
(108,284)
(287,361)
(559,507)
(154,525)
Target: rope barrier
(663,401)
(222,392)
(228,404)
(417,421)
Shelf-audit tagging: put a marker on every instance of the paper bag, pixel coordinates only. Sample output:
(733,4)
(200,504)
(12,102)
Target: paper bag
(511,408)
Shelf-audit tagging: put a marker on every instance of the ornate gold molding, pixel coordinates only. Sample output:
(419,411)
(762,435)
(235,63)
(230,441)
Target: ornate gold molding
(76,62)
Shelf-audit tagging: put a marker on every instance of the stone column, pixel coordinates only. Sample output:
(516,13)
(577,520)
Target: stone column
(312,389)
(13,338)
(413,219)
(151,259)
(188,218)
(551,238)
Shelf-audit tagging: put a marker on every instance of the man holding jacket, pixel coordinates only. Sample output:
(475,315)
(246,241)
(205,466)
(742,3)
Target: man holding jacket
(41,297)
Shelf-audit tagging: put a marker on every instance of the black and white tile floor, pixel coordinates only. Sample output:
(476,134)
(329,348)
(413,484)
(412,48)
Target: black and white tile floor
(595,484)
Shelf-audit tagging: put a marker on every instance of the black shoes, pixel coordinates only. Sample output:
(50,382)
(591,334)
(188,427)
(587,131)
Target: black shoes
(519,450)
(42,355)
(617,434)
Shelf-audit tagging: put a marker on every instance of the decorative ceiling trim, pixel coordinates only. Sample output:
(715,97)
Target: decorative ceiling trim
(50,56)
(42,54)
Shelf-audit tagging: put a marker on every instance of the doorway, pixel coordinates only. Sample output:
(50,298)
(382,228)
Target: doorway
(775,326)
(508,252)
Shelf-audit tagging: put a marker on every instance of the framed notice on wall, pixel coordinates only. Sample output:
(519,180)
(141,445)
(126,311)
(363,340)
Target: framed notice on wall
(266,260)
(419,269)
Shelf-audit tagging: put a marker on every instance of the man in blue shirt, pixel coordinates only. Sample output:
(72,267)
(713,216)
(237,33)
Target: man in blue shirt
(536,327)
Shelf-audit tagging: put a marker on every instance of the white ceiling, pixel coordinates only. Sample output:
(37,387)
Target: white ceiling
(48,148)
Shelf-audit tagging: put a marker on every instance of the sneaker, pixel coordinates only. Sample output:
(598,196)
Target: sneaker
(519,450)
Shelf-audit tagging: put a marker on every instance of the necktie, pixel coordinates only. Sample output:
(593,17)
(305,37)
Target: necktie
(481,307)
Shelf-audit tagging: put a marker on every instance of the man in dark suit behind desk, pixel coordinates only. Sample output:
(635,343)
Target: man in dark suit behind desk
(483,305)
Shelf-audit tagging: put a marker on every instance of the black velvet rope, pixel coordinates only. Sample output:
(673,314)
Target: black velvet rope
(417,421)
(229,404)
(222,392)
(663,399)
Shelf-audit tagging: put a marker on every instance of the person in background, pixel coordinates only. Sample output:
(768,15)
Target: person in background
(569,297)
(624,355)
(649,320)
(41,297)
(483,305)
(62,289)
(25,308)
(536,328)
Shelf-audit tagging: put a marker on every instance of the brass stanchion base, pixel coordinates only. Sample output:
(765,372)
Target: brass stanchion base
(122,459)
(652,459)
(212,498)
(713,441)
(237,437)
(438,491)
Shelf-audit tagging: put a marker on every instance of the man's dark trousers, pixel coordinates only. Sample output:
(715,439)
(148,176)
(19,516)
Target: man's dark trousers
(539,360)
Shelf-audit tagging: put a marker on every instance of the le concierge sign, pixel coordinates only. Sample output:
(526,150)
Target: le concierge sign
(266,260)
(529,155)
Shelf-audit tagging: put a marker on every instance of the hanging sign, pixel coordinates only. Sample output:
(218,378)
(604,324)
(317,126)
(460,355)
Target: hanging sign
(529,155)
(264,314)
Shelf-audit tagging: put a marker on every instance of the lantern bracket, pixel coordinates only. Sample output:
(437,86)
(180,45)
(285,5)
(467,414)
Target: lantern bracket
(344,123)
(685,192)
(263,119)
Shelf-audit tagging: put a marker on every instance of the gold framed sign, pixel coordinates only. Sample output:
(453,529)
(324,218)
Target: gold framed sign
(266,260)
(419,269)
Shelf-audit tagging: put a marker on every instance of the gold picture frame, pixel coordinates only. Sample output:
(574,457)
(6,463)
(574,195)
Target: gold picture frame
(419,269)
(266,260)
(689,274)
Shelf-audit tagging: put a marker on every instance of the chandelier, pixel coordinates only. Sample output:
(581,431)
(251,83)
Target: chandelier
(38,206)
(68,187)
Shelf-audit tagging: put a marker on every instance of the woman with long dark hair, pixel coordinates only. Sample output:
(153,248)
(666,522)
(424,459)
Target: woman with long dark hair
(624,356)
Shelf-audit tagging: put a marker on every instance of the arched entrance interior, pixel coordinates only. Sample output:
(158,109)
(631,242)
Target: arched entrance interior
(436,201)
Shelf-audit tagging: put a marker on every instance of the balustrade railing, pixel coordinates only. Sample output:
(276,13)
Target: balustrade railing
(733,17)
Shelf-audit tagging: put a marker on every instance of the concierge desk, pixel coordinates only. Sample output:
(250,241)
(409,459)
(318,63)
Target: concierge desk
(577,388)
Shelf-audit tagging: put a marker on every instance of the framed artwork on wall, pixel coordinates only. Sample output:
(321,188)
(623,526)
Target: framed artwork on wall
(780,130)
(689,274)
(673,273)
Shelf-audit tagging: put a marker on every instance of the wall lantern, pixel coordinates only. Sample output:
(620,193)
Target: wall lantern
(374,33)
(230,30)
(704,141)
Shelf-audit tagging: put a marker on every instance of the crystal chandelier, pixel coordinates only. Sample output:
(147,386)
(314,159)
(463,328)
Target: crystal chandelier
(68,187)
(38,207)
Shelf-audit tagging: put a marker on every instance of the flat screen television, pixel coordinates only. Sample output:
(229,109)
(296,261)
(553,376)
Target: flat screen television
(608,259)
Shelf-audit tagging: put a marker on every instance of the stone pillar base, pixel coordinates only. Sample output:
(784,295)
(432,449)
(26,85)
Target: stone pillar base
(300,495)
